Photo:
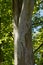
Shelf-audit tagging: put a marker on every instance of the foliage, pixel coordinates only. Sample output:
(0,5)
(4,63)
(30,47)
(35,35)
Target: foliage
(6,29)
(37,32)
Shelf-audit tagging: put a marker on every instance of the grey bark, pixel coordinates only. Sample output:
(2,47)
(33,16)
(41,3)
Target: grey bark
(23,53)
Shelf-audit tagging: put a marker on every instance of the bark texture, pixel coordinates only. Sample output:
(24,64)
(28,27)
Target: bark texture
(22,33)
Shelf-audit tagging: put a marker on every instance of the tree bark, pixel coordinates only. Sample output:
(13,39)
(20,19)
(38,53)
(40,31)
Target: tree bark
(23,52)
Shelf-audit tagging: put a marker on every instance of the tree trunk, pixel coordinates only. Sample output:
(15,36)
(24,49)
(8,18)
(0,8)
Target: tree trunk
(23,52)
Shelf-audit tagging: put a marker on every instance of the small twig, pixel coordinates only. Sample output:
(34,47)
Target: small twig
(38,48)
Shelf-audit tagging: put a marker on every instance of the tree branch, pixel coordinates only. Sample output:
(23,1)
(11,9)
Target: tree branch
(38,48)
